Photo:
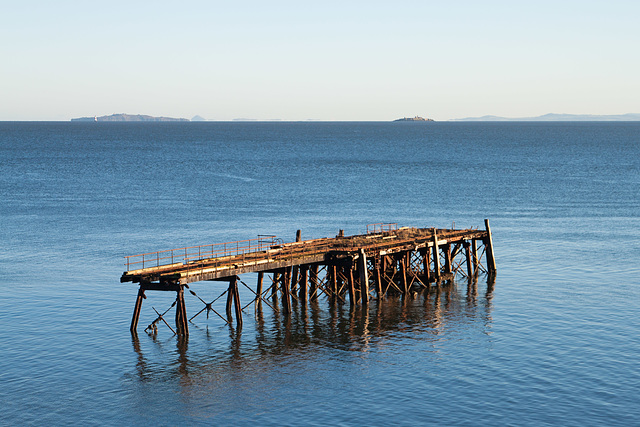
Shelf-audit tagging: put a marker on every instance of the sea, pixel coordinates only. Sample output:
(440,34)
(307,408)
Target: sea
(555,340)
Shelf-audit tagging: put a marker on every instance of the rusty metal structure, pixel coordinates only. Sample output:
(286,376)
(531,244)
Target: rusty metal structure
(386,260)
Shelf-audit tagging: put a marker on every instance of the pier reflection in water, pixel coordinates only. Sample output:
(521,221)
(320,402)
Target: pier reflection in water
(320,328)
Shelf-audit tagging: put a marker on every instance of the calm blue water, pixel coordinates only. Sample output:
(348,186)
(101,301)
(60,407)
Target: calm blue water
(556,341)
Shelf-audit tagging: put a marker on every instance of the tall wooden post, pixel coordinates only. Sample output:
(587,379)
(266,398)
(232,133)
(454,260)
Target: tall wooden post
(259,288)
(364,277)
(378,277)
(467,252)
(436,255)
(313,282)
(286,290)
(304,284)
(474,254)
(491,262)
(236,299)
(426,256)
(334,279)
(181,313)
(403,275)
(136,310)
(447,258)
(351,287)
(230,300)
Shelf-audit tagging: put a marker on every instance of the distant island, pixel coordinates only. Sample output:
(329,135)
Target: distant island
(558,118)
(413,119)
(128,118)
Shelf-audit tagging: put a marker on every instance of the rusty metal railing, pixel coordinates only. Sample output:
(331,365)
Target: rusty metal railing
(380,227)
(201,252)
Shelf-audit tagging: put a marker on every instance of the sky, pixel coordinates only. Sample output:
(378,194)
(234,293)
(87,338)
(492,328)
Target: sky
(327,60)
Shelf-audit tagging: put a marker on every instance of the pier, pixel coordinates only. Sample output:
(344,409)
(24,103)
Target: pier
(353,269)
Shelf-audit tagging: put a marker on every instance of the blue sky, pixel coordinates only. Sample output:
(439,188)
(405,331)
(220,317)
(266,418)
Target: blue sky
(329,60)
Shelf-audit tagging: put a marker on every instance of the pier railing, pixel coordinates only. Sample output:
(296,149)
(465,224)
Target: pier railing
(380,227)
(202,252)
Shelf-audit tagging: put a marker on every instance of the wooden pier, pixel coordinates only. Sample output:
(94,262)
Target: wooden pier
(386,260)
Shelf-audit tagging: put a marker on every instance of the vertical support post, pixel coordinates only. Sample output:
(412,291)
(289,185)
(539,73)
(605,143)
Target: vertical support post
(351,287)
(294,277)
(474,254)
(436,255)
(286,289)
(230,300)
(136,310)
(181,313)
(467,252)
(426,255)
(378,278)
(403,276)
(259,288)
(491,261)
(334,279)
(299,236)
(236,300)
(447,258)
(313,282)
(304,284)
(364,277)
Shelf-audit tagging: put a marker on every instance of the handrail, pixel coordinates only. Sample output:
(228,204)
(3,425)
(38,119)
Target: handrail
(380,227)
(193,253)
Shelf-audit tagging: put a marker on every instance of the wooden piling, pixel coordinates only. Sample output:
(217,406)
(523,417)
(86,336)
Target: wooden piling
(378,278)
(230,300)
(351,288)
(313,282)
(181,314)
(259,288)
(436,255)
(467,252)
(364,277)
(236,299)
(403,275)
(491,262)
(286,290)
(136,310)
(447,258)
(474,254)
(304,284)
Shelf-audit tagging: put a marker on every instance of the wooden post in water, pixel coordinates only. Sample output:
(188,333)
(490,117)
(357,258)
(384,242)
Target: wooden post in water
(436,255)
(230,300)
(378,277)
(236,299)
(286,290)
(136,310)
(259,288)
(467,252)
(491,261)
(364,277)
(313,282)
(181,313)
(474,254)
(351,288)
(426,254)
(304,284)
(403,275)
(447,258)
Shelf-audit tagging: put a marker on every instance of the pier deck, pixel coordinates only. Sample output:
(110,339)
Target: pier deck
(386,259)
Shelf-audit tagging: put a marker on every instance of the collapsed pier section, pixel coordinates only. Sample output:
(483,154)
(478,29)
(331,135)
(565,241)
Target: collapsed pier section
(386,260)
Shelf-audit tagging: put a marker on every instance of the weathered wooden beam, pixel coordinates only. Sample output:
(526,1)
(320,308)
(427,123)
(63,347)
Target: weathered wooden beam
(436,255)
(259,288)
(364,277)
(236,300)
(491,261)
(304,284)
(136,310)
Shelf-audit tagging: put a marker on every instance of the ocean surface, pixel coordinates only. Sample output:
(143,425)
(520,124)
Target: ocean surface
(556,340)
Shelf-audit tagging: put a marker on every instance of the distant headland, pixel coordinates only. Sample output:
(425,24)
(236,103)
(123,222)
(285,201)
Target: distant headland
(630,117)
(128,118)
(413,119)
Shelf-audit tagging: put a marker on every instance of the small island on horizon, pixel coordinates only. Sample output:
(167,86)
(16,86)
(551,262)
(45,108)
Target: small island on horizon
(127,118)
(414,119)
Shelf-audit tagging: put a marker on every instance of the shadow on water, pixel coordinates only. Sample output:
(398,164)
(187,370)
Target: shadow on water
(314,326)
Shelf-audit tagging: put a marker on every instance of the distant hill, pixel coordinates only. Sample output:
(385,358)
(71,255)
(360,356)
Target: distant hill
(128,118)
(198,119)
(630,117)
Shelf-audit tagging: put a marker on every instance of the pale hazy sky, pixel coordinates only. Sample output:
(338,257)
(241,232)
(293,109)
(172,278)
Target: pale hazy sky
(323,60)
